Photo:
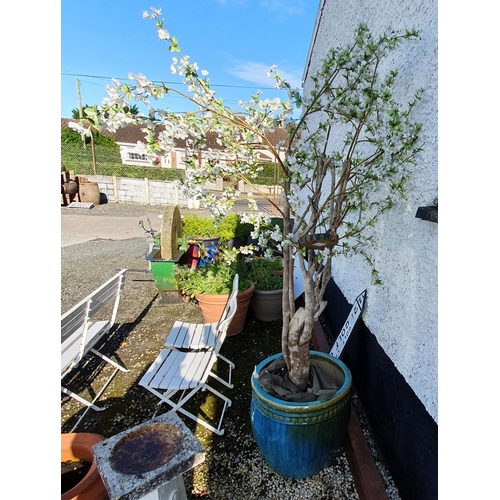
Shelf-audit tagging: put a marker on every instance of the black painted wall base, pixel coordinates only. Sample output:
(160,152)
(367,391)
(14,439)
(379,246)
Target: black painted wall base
(405,432)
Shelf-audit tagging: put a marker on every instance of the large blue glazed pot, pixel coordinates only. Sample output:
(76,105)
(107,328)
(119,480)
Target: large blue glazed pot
(298,440)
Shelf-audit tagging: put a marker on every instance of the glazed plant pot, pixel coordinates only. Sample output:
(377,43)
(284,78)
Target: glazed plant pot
(298,439)
(212,306)
(203,251)
(78,446)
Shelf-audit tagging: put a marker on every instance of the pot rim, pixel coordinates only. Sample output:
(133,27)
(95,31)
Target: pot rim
(268,292)
(76,444)
(294,405)
(250,289)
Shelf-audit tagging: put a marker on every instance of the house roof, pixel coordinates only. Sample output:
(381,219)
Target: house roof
(130,134)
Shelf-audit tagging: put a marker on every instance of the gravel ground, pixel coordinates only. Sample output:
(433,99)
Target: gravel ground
(233,467)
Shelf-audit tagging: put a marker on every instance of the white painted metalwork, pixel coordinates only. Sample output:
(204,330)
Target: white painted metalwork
(187,371)
(79,334)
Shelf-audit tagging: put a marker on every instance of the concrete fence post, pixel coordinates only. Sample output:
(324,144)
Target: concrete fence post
(146,186)
(115,188)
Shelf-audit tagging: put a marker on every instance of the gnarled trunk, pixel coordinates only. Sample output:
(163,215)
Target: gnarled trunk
(298,325)
(299,335)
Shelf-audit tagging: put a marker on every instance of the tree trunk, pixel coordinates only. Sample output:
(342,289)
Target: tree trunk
(288,293)
(297,325)
(299,336)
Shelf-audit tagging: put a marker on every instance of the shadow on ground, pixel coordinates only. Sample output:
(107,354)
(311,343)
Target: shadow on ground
(233,465)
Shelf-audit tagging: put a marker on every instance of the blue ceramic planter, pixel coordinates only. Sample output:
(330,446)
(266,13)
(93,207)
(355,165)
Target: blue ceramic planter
(298,440)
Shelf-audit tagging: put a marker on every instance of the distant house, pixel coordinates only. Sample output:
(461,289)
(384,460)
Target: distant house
(127,138)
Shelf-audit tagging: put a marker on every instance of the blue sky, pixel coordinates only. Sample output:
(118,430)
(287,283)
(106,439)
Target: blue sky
(236,41)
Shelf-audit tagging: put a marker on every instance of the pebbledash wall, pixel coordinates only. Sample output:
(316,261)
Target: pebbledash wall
(393,352)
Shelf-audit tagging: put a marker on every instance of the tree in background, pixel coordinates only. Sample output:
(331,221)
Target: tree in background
(133,110)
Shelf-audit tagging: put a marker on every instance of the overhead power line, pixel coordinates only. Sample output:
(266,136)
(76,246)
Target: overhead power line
(79,75)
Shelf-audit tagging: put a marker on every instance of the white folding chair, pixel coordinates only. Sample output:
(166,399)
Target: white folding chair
(176,376)
(80,332)
(196,336)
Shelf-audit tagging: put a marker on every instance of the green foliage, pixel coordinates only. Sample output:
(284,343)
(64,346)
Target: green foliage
(215,278)
(104,140)
(263,273)
(270,175)
(108,161)
(199,227)
(70,136)
(75,112)
(228,226)
(243,230)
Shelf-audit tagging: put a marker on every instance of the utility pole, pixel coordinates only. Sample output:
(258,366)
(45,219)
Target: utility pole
(79,98)
(80,112)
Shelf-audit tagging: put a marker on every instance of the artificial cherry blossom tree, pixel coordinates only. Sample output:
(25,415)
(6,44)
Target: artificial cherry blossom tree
(347,159)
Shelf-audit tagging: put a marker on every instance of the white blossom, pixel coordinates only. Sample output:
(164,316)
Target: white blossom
(163,34)
(79,128)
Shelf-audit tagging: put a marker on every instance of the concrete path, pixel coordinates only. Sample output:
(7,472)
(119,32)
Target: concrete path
(80,228)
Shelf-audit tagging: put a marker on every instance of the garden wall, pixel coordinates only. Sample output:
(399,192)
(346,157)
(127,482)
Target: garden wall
(152,192)
(146,191)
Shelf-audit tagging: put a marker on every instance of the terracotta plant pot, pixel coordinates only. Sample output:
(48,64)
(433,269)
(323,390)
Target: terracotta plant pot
(78,446)
(212,306)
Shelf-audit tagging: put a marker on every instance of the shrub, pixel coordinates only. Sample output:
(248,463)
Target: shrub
(228,227)
(265,273)
(215,278)
(199,227)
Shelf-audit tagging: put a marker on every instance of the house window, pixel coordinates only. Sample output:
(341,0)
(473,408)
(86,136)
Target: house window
(137,156)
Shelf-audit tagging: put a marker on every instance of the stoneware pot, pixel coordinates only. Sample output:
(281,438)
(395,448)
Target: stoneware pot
(267,305)
(212,306)
(89,192)
(298,440)
(78,446)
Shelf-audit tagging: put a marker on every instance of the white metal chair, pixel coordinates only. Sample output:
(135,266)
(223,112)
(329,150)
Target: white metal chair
(186,372)
(80,333)
(196,336)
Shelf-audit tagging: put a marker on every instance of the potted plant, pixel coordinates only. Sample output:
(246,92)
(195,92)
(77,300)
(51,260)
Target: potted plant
(227,228)
(202,238)
(194,226)
(346,161)
(77,447)
(243,231)
(211,286)
(267,275)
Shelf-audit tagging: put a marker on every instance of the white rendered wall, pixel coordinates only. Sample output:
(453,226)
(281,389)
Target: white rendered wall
(403,312)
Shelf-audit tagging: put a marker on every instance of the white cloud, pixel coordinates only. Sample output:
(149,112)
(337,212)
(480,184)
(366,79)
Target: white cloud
(282,8)
(256,72)
(291,7)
